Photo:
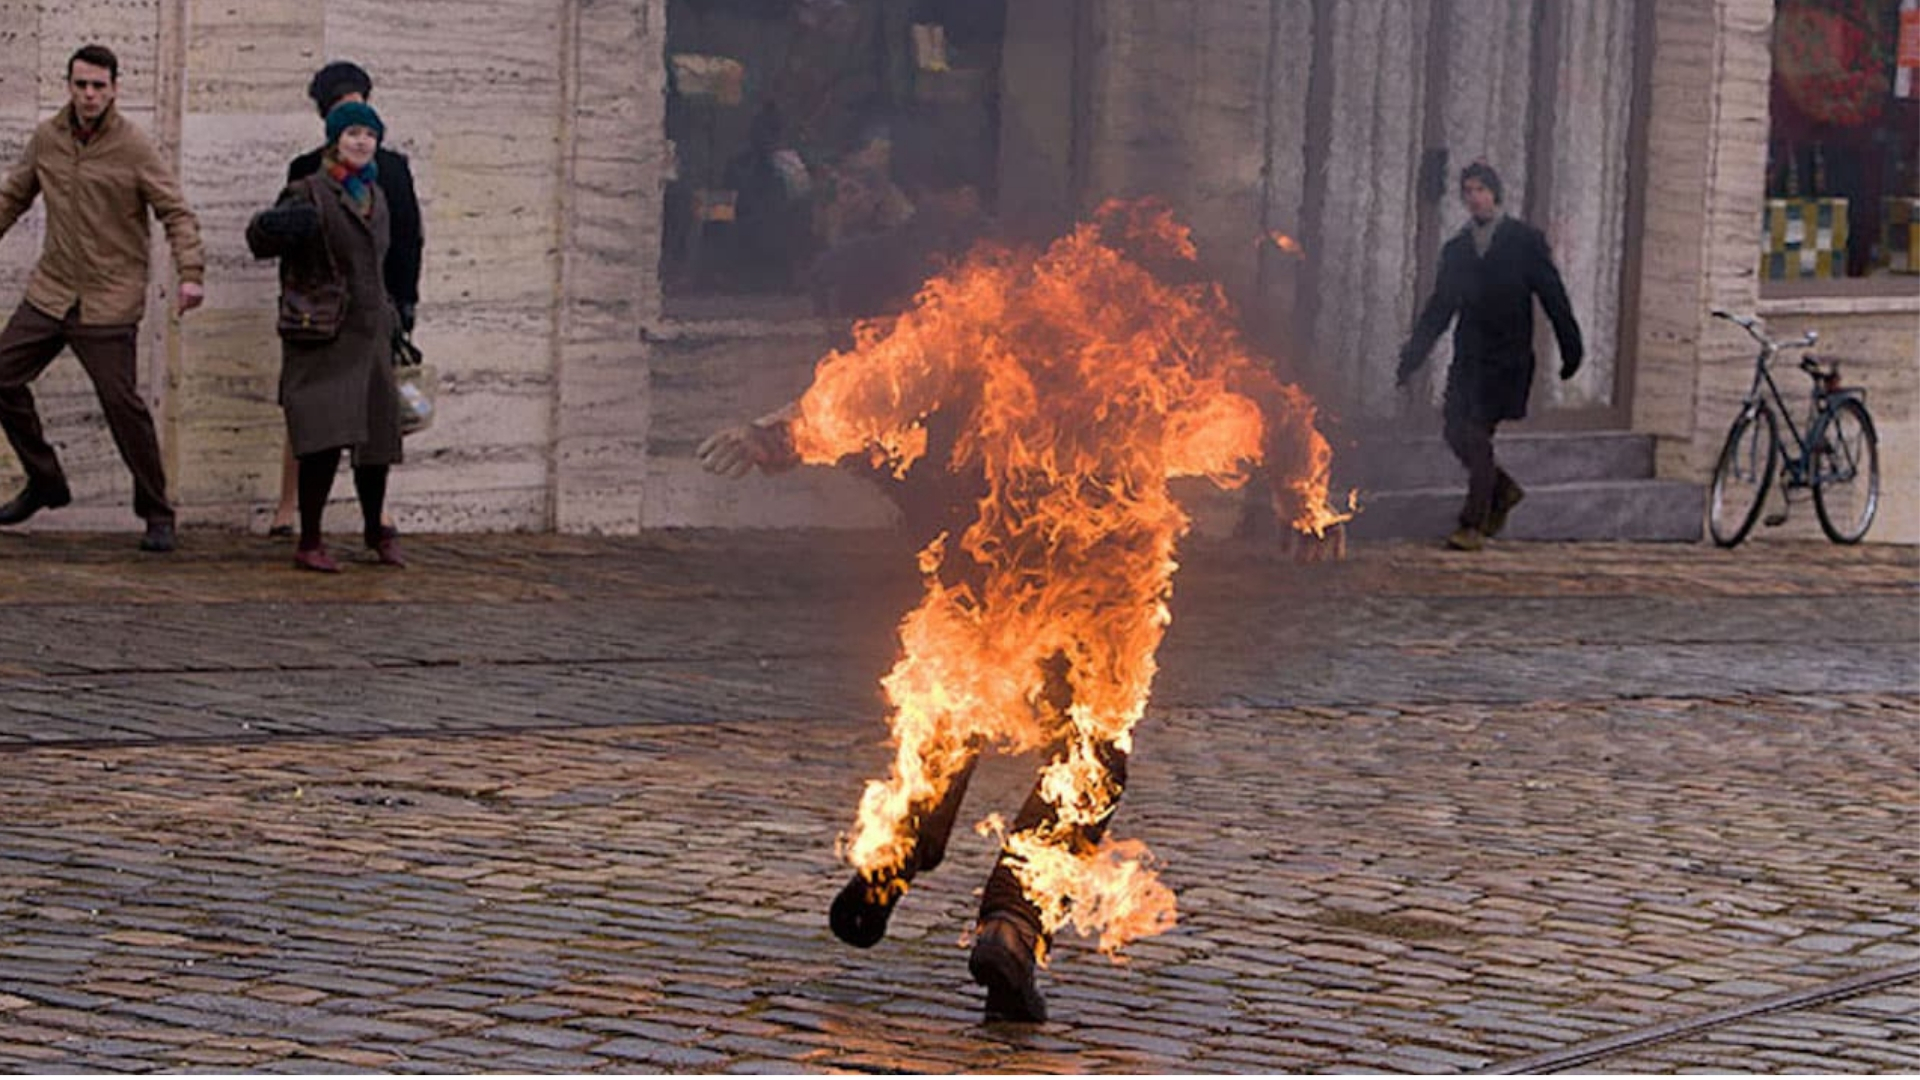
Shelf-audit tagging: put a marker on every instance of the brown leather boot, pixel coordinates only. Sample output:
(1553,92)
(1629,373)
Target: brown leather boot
(1004,952)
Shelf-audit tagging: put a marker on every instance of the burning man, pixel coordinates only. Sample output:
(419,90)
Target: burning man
(1031,407)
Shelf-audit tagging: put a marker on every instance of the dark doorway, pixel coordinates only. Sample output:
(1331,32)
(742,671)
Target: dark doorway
(815,138)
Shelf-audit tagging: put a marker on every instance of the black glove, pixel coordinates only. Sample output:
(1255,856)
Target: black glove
(1569,365)
(1409,363)
(406,317)
(289,221)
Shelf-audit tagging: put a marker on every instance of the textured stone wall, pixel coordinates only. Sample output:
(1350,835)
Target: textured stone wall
(535,139)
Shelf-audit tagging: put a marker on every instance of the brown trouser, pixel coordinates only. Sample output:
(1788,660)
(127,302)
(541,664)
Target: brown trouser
(29,343)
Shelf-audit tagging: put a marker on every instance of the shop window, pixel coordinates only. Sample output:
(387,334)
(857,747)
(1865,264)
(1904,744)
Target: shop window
(824,151)
(1843,170)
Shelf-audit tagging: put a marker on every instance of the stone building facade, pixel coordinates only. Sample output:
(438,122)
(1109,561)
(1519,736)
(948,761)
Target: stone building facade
(572,396)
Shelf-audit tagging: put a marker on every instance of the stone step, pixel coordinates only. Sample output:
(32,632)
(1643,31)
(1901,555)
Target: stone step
(1583,510)
(1533,459)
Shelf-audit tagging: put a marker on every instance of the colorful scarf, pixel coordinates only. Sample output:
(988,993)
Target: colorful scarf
(358,184)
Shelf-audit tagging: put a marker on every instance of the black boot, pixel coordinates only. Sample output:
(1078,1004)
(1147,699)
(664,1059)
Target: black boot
(859,914)
(1004,951)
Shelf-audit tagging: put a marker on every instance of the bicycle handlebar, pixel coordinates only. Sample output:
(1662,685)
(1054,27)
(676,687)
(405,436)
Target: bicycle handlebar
(1752,326)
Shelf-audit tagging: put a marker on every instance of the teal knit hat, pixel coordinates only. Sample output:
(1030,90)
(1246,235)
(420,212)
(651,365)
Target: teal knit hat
(350,114)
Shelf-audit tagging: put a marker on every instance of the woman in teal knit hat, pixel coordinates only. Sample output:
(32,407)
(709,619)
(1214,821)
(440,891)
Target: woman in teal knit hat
(336,323)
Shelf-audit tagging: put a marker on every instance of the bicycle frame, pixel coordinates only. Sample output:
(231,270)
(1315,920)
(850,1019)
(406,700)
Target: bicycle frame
(1794,461)
(1837,447)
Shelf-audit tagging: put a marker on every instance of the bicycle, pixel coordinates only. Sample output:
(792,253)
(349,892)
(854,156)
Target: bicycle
(1839,457)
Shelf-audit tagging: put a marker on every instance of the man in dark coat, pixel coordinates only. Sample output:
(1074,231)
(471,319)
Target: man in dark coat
(1489,275)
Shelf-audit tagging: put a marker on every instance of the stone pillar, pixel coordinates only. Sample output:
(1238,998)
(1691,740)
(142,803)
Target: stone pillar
(1178,109)
(612,147)
(1584,215)
(1279,273)
(1705,177)
(1363,211)
(1037,121)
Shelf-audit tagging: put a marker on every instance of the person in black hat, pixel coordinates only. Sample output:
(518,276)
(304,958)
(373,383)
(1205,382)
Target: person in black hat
(343,80)
(1489,274)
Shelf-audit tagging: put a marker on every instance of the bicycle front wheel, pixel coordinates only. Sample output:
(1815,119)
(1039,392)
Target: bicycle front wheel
(1845,456)
(1742,477)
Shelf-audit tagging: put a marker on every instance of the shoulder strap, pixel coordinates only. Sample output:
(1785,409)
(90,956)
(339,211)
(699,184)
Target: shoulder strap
(318,191)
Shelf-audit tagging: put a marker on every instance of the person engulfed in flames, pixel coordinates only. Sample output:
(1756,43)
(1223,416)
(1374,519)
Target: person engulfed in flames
(1031,408)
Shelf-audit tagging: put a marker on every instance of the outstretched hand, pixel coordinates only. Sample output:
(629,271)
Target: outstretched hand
(731,452)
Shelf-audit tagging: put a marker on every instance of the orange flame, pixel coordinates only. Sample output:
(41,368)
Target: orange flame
(1084,382)
(1287,244)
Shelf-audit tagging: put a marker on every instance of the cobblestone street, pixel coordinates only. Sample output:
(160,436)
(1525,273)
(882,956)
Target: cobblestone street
(550,803)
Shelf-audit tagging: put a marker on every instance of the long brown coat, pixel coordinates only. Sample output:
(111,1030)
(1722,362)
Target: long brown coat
(338,392)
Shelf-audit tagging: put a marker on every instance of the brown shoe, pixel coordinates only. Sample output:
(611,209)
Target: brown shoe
(315,559)
(387,547)
(1503,503)
(159,537)
(1467,538)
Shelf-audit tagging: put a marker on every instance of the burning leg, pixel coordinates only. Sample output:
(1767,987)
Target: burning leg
(1011,936)
(860,912)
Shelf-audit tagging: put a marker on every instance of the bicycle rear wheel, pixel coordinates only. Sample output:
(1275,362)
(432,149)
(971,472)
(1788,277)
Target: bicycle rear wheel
(1742,477)
(1846,472)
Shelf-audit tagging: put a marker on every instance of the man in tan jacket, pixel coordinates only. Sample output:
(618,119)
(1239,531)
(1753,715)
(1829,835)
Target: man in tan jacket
(100,177)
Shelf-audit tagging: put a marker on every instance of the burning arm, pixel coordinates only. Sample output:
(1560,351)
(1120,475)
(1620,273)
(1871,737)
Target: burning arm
(873,398)
(1297,458)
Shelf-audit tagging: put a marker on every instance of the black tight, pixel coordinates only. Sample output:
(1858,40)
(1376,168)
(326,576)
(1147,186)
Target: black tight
(316,483)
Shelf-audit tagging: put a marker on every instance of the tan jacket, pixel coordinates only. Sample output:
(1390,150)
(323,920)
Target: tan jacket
(98,239)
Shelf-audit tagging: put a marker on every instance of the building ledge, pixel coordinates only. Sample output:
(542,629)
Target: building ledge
(1884,304)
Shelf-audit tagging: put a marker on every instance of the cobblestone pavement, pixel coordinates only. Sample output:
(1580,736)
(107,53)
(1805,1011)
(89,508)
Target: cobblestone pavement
(546,803)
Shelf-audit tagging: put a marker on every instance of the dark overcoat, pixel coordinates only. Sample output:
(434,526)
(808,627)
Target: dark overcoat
(1492,295)
(338,392)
